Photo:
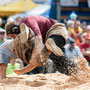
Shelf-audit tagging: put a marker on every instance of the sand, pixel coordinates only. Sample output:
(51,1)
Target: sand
(55,81)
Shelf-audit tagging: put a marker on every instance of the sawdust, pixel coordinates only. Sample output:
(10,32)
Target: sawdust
(56,81)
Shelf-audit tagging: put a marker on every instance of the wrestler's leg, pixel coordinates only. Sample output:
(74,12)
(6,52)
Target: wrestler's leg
(63,63)
(26,33)
(2,71)
(27,37)
(52,45)
(24,43)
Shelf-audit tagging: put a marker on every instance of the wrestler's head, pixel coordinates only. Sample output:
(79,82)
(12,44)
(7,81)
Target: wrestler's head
(12,29)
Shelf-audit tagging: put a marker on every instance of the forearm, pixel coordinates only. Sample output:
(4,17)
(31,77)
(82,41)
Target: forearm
(37,46)
(28,68)
(87,54)
(38,41)
(33,62)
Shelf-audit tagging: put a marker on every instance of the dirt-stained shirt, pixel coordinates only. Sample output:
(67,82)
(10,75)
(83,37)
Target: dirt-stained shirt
(39,24)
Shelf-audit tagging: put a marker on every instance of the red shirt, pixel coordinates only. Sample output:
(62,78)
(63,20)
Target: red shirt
(86,47)
(39,24)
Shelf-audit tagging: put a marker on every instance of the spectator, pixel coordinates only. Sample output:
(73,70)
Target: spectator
(2,35)
(72,18)
(85,47)
(18,20)
(12,66)
(72,50)
(0,22)
(70,25)
(69,38)
(74,26)
(83,37)
(83,26)
(87,30)
(77,32)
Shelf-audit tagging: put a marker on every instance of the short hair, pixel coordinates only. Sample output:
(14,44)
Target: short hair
(10,26)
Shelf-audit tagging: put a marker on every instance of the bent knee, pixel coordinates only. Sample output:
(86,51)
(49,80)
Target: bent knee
(59,40)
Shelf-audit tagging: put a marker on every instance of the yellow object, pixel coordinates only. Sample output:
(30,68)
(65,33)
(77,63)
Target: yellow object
(71,30)
(80,29)
(17,7)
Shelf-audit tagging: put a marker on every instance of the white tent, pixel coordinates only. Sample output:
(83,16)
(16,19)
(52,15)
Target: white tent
(5,2)
(19,6)
(40,10)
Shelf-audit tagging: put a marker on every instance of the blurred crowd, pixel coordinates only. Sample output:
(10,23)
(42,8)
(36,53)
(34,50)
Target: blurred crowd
(78,44)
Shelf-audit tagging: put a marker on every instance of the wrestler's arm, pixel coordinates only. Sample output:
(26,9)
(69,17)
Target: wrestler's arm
(33,63)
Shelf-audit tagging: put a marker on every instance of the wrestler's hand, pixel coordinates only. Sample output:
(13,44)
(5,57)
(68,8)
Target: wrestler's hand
(32,64)
(18,72)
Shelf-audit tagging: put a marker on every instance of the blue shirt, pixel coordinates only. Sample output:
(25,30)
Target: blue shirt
(6,52)
(73,53)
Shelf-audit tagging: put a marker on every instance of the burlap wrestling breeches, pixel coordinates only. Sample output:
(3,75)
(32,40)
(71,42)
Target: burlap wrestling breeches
(58,29)
(24,51)
(58,33)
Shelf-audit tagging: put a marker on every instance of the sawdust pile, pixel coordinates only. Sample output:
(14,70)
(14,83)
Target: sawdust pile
(57,81)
